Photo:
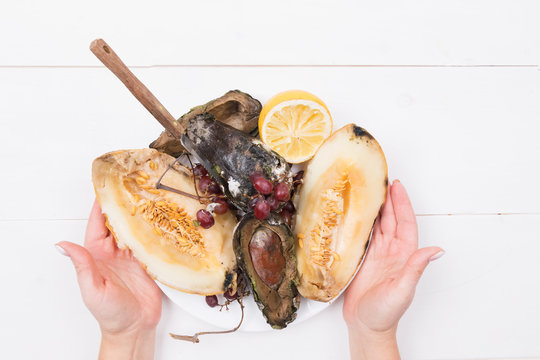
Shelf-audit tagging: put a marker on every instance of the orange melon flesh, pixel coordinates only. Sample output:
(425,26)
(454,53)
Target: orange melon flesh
(344,187)
(202,261)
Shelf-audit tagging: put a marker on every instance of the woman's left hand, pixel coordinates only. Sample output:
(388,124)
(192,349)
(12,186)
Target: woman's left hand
(384,287)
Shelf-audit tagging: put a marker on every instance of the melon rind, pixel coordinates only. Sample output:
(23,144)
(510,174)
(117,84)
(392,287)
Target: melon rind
(207,275)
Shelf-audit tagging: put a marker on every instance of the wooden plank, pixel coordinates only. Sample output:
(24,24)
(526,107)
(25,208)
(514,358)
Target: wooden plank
(167,32)
(479,301)
(462,140)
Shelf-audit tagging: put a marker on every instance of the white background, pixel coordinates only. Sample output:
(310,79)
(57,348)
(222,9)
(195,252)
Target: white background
(451,89)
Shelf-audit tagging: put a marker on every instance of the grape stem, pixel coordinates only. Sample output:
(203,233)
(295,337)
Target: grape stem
(159,185)
(195,338)
(194,178)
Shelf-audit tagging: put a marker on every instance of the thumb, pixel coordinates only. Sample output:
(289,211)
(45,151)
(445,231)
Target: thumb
(88,274)
(415,266)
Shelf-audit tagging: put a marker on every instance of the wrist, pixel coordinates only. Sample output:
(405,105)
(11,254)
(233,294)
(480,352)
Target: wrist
(366,343)
(361,330)
(133,344)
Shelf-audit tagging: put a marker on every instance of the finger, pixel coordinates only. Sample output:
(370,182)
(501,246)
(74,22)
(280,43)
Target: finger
(108,245)
(90,280)
(377,228)
(378,244)
(406,228)
(388,218)
(95,229)
(415,266)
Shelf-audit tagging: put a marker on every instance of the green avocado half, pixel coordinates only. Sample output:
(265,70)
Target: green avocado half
(265,253)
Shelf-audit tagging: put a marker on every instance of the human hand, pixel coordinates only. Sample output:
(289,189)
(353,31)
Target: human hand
(384,287)
(125,301)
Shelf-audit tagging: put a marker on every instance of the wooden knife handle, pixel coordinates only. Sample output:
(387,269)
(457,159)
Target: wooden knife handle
(109,58)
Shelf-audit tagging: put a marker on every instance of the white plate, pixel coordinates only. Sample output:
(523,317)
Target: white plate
(253,318)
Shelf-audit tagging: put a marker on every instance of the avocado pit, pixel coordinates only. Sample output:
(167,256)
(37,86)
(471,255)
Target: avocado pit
(267,256)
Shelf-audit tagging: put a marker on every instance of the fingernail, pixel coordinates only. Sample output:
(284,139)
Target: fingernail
(61,250)
(437,255)
(396,181)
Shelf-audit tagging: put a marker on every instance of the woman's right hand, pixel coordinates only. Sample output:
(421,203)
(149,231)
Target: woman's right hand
(384,287)
(125,301)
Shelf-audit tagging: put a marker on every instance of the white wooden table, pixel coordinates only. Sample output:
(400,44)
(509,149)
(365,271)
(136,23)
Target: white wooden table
(451,89)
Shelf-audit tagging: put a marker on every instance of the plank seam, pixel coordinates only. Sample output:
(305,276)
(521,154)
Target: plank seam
(273,66)
(481,214)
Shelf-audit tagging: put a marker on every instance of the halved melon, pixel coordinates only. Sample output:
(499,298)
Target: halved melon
(344,187)
(157,225)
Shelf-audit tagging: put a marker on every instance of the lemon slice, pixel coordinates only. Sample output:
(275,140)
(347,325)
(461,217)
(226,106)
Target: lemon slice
(294,124)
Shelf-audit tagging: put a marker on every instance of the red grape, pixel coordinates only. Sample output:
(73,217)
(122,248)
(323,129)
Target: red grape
(213,188)
(262,209)
(205,218)
(289,206)
(263,185)
(221,207)
(273,202)
(212,300)
(254,202)
(199,170)
(204,182)
(287,217)
(253,177)
(282,192)
(230,296)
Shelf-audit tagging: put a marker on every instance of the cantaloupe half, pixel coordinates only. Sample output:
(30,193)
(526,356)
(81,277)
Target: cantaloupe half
(157,225)
(344,187)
